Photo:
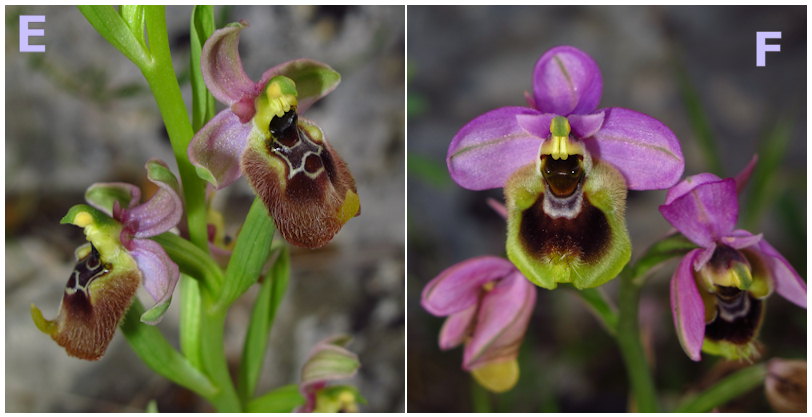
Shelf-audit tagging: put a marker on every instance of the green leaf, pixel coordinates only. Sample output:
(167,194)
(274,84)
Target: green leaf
(134,17)
(249,255)
(730,387)
(191,260)
(151,346)
(281,400)
(201,28)
(190,316)
(699,120)
(112,26)
(429,170)
(763,189)
(270,296)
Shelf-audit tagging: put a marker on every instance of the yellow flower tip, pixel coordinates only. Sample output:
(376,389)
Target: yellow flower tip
(348,402)
(83,219)
(497,377)
(350,208)
(489,285)
(44,325)
(559,146)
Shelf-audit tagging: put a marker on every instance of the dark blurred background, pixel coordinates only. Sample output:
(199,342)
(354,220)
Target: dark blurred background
(81,113)
(694,69)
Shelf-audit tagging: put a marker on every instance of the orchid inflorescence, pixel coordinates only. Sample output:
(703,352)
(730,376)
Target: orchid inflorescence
(304,185)
(565,168)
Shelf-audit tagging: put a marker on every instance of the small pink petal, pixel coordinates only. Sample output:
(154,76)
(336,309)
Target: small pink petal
(222,68)
(565,81)
(586,125)
(687,307)
(740,239)
(456,327)
(501,322)
(459,286)
(217,147)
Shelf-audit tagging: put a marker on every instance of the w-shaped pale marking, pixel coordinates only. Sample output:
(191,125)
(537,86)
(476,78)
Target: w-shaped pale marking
(88,268)
(294,146)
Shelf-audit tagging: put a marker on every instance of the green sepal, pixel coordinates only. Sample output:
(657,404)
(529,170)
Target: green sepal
(312,79)
(605,189)
(105,195)
(158,171)
(157,311)
(284,399)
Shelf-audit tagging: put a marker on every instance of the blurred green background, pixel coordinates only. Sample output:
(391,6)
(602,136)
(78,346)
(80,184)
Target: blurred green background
(694,69)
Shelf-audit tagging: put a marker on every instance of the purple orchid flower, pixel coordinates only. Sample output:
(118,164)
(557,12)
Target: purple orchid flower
(118,258)
(565,166)
(718,290)
(488,303)
(304,183)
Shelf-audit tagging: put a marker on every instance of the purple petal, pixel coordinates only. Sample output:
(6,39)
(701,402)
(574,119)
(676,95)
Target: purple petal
(565,81)
(688,184)
(456,327)
(706,213)
(644,150)
(164,210)
(459,286)
(103,195)
(537,125)
(216,149)
(160,276)
(704,256)
(487,150)
(501,322)
(740,239)
(786,280)
(586,125)
(222,68)
(498,207)
(744,176)
(313,79)
(687,307)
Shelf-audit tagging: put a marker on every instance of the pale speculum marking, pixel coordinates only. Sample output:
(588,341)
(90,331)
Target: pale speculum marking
(86,270)
(291,144)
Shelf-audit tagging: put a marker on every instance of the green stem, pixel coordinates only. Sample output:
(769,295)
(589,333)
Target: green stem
(628,339)
(160,76)
(192,260)
(601,307)
(730,387)
(151,346)
(632,279)
(212,352)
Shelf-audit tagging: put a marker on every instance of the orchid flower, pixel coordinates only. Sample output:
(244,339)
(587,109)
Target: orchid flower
(116,260)
(565,168)
(328,361)
(488,303)
(718,290)
(303,182)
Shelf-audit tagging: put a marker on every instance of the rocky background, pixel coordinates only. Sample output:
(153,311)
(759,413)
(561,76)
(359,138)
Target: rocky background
(81,113)
(694,69)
